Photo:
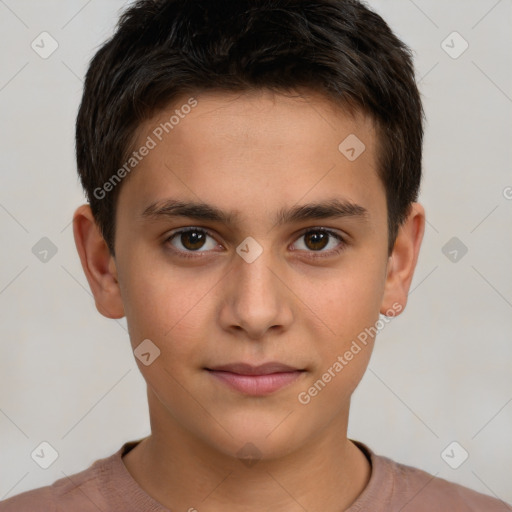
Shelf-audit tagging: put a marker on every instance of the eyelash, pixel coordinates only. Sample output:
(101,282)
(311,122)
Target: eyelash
(194,254)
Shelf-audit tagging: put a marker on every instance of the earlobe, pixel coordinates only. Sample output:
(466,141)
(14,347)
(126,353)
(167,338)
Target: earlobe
(403,259)
(98,264)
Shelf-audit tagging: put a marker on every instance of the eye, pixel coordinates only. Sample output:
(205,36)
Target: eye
(190,240)
(186,242)
(317,239)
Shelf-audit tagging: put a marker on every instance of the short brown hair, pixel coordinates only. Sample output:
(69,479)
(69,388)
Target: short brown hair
(166,48)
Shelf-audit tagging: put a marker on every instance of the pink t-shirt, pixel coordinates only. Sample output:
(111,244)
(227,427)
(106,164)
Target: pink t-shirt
(107,486)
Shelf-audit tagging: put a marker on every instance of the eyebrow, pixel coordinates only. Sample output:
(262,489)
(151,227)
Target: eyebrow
(333,208)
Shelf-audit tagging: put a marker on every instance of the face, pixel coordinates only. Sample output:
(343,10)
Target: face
(245,236)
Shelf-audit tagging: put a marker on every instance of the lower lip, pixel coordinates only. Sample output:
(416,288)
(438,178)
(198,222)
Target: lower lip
(257,384)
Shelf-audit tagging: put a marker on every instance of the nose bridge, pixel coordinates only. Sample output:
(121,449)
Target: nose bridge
(254,280)
(256,292)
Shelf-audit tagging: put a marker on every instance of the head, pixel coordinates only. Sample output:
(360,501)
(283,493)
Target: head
(273,118)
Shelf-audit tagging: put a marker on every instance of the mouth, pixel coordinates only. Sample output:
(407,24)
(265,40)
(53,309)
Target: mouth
(256,380)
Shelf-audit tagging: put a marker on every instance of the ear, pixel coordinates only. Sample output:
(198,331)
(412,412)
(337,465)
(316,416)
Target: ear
(402,262)
(98,264)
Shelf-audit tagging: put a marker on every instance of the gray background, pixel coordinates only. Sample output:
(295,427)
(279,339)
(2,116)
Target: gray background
(440,373)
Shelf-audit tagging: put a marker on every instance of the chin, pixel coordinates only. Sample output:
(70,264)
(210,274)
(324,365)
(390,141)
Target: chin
(259,438)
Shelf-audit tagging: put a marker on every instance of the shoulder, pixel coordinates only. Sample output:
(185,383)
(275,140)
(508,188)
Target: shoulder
(79,492)
(428,491)
(27,501)
(395,486)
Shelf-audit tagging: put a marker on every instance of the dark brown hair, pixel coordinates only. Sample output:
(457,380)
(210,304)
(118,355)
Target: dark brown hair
(163,49)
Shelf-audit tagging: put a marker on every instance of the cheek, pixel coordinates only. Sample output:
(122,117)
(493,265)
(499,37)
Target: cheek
(349,305)
(348,301)
(167,306)
(351,311)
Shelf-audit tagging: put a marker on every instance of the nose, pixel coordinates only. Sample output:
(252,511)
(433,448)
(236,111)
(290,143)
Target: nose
(256,298)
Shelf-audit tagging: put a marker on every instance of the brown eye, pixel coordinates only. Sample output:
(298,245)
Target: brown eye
(191,240)
(316,240)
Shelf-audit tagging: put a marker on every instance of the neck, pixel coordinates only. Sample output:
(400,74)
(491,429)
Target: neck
(183,473)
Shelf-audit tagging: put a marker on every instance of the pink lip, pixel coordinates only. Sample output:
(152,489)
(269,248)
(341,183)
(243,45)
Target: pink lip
(256,380)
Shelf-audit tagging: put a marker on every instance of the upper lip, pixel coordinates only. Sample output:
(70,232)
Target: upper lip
(248,369)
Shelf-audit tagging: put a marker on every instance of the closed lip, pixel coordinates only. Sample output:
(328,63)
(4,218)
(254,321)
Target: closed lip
(248,369)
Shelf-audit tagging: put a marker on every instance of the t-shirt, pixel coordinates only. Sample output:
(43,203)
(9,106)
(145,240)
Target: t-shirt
(107,486)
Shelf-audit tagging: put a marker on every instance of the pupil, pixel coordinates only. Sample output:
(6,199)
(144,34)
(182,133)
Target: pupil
(317,238)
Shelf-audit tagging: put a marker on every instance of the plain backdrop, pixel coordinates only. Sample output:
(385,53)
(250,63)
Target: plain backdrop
(440,373)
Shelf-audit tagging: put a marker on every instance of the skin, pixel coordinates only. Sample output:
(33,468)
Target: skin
(251,154)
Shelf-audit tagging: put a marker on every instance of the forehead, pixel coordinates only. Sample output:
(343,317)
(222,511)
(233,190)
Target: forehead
(254,148)
(257,119)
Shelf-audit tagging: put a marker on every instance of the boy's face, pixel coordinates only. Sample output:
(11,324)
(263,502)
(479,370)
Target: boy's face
(255,157)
